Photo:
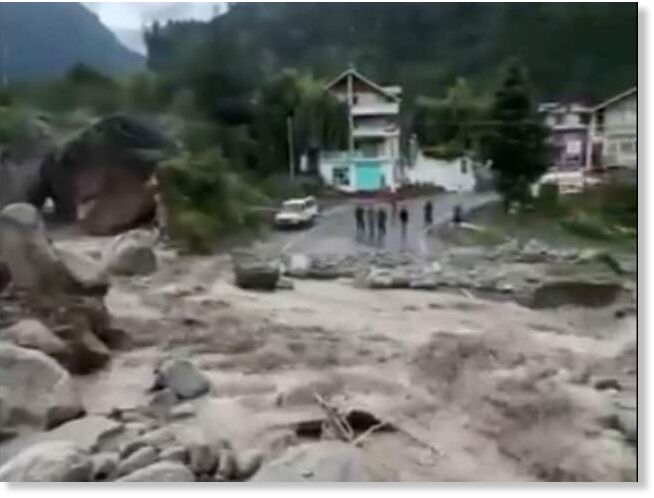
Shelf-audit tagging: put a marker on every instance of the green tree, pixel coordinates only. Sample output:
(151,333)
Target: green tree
(515,139)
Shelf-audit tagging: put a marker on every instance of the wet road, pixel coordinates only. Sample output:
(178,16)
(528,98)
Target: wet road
(335,231)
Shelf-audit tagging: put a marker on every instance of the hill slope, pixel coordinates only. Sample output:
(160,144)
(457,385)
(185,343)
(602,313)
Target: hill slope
(571,49)
(41,40)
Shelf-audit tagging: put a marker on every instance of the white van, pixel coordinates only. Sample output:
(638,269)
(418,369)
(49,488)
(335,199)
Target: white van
(297,212)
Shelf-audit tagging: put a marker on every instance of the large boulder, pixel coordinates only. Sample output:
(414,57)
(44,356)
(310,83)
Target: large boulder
(35,265)
(30,333)
(101,176)
(131,254)
(161,472)
(182,377)
(254,272)
(86,432)
(327,461)
(52,461)
(34,389)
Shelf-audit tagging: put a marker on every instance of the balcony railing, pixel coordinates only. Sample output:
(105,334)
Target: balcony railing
(385,109)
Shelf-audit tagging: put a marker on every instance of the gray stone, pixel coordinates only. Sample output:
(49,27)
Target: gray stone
(174,454)
(248,462)
(253,272)
(161,472)
(202,459)
(227,466)
(140,458)
(53,461)
(30,333)
(104,465)
(285,284)
(185,410)
(33,262)
(162,402)
(86,432)
(298,265)
(158,437)
(87,272)
(131,253)
(182,377)
(131,447)
(316,462)
(35,389)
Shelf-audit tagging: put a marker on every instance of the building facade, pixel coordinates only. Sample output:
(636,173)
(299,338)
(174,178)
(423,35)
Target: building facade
(569,125)
(614,132)
(372,159)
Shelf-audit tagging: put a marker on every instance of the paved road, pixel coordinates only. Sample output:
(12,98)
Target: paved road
(335,232)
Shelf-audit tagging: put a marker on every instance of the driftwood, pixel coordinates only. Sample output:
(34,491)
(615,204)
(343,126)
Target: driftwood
(338,424)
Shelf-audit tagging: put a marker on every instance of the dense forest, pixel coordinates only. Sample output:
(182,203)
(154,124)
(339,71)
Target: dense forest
(567,48)
(43,40)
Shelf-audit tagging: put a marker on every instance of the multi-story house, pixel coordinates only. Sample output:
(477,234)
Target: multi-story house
(569,125)
(372,158)
(614,132)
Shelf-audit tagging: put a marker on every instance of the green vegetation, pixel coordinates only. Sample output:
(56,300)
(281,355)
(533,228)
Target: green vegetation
(604,216)
(205,199)
(515,139)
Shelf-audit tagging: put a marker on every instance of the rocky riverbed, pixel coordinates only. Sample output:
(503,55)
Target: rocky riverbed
(356,367)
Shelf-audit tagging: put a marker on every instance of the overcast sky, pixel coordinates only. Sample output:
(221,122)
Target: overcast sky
(127,19)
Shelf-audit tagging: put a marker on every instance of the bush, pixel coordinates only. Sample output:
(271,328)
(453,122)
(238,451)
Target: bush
(205,200)
(16,127)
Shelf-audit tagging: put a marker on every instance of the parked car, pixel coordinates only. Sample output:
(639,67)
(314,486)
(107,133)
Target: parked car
(297,213)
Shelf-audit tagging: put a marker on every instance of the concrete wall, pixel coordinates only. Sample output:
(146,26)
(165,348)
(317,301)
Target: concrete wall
(455,175)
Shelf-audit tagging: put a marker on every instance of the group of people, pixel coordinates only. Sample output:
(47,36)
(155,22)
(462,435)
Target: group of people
(372,221)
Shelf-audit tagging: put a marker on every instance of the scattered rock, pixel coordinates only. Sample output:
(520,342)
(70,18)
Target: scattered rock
(104,465)
(227,466)
(298,265)
(174,454)
(35,389)
(87,272)
(140,458)
(592,294)
(285,284)
(87,352)
(158,437)
(130,447)
(185,410)
(325,461)
(32,334)
(52,461)
(182,377)
(86,432)
(162,402)
(247,463)
(131,254)
(252,272)
(602,384)
(161,472)
(202,460)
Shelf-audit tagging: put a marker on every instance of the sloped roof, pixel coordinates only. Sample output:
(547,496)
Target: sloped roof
(356,74)
(616,98)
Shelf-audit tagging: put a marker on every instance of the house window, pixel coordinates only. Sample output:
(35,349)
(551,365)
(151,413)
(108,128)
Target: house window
(341,176)
(627,147)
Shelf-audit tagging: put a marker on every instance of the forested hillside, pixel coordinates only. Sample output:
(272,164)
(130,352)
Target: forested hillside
(43,40)
(567,48)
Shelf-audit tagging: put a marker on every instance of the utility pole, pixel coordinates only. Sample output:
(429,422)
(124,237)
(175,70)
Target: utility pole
(291,151)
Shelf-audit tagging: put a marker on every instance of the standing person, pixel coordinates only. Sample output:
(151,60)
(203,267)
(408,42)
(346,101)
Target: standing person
(457,215)
(371,224)
(381,226)
(429,213)
(393,207)
(359,216)
(404,219)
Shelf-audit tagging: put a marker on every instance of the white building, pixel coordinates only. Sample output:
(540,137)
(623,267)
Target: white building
(372,159)
(614,132)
